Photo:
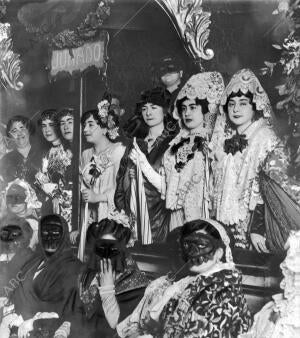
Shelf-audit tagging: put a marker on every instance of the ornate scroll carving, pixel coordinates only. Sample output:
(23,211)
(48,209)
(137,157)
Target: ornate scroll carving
(191,24)
(10,63)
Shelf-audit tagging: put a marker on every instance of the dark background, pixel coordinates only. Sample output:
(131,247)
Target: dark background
(242,34)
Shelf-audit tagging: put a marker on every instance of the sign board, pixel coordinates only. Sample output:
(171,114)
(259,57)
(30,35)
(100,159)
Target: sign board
(78,59)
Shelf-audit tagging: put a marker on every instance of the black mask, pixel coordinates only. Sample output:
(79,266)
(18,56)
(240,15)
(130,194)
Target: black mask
(14,199)
(51,235)
(11,233)
(198,248)
(12,237)
(111,249)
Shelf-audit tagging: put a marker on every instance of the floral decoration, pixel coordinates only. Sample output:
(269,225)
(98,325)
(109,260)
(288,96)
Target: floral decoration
(57,161)
(235,143)
(289,62)
(107,118)
(184,151)
(86,31)
(103,108)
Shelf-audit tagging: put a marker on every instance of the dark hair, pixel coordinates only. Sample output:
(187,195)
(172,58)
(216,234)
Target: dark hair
(158,96)
(95,115)
(48,114)
(62,113)
(107,226)
(258,113)
(203,103)
(193,226)
(23,119)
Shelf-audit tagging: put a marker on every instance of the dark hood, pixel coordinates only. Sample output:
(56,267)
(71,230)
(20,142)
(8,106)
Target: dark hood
(64,245)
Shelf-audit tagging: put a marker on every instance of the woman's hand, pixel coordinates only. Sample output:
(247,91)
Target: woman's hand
(107,275)
(89,196)
(73,236)
(25,328)
(137,156)
(259,242)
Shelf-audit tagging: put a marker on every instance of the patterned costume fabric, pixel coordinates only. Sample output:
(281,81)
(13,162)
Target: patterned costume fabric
(184,173)
(99,173)
(236,186)
(200,306)
(129,289)
(185,165)
(211,306)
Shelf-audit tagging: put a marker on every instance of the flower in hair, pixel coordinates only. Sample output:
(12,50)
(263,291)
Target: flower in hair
(113,133)
(103,108)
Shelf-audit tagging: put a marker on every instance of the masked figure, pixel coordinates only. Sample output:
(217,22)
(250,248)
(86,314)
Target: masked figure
(206,302)
(113,285)
(15,237)
(44,300)
(245,147)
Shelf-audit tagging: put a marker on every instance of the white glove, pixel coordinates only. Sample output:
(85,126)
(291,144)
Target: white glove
(25,328)
(139,158)
(63,331)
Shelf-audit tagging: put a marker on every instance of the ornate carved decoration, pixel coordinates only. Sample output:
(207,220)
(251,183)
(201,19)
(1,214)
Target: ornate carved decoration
(191,24)
(10,63)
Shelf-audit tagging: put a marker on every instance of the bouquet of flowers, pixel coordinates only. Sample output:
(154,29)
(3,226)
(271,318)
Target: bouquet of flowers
(59,160)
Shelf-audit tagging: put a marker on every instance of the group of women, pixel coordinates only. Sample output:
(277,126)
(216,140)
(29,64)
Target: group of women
(227,162)
(210,174)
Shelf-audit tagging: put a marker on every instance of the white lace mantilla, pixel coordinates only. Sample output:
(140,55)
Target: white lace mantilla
(184,189)
(236,189)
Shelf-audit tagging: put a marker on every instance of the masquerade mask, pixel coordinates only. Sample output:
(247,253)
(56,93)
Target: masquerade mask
(107,248)
(15,199)
(111,249)
(51,235)
(10,233)
(198,247)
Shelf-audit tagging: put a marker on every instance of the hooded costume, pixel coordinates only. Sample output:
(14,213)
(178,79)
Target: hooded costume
(203,305)
(103,307)
(48,284)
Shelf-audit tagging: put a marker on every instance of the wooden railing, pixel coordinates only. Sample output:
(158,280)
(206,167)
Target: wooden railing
(261,272)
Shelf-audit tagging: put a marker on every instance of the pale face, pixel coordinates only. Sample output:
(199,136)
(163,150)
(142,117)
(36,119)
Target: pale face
(20,134)
(48,130)
(17,209)
(66,126)
(153,115)
(240,111)
(170,79)
(192,116)
(92,131)
(116,107)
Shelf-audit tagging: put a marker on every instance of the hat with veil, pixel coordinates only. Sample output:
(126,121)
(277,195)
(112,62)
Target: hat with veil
(243,81)
(207,85)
